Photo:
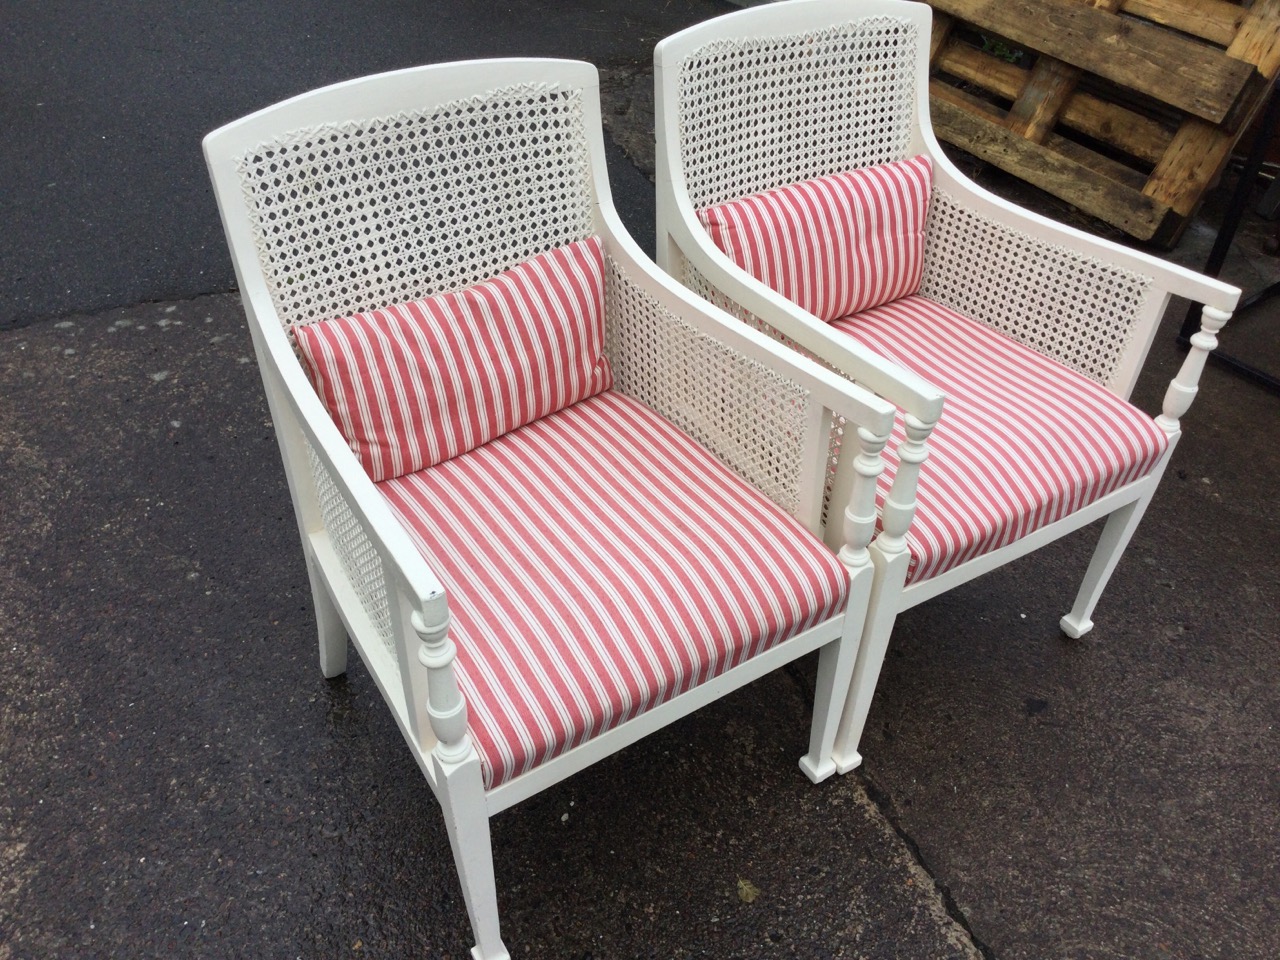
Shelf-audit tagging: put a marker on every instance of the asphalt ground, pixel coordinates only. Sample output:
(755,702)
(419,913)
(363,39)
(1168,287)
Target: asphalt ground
(177,780)
(105,198)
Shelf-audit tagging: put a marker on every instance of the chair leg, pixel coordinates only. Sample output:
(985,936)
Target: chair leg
(1115,537)
(329,626)
(886,595)
(466,817)
(835,672)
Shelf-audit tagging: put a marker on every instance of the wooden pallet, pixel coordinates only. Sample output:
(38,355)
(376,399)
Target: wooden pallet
(1127,109)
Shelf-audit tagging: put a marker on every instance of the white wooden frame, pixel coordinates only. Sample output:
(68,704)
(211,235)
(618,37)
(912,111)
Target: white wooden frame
(683,244)
(414,672)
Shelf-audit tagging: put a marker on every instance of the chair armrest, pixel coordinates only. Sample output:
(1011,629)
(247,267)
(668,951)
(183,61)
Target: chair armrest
(342,515)
(1171,278)
(836,392)
(335,467)
(710,273)
(766,411)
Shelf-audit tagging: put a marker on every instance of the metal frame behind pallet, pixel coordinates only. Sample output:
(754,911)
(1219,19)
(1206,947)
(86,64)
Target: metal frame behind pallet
(1222,246)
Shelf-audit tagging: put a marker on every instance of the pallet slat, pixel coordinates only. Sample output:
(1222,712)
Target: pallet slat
(1035,112)
(1162,64)
(1082,186)
(1214,20)
(1109,123)
(1101,70)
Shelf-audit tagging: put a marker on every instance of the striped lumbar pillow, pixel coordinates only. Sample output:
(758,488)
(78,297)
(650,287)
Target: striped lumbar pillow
(417,383)
(835,245)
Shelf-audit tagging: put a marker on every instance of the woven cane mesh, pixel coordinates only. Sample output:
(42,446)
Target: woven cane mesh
(759,113)
(694,279)
(750,417)
(359,558)
(354,216)
(1065,305)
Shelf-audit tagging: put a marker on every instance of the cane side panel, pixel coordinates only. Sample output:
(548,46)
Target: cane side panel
(1063,304)
(696,281)
(750,417)
(359,557)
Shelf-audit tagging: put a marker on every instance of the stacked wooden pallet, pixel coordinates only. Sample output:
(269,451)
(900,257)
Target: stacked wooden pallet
(1127,109)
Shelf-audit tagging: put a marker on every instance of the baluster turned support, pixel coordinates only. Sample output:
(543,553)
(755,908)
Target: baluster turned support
(1182,390)
(891,565)
(860,513)
(900,505)
(445,706)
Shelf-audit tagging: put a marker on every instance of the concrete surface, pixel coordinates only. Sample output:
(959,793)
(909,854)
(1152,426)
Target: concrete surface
(176,779)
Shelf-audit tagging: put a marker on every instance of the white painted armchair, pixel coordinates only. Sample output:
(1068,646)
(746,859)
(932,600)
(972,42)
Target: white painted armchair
(555,500)
(801,188)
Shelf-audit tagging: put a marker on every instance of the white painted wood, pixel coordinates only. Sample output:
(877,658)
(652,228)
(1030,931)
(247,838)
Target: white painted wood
(890,571)
(1115,537)
(900,506)
(445,705)
(1182,391)
(332,632)
(685,250)
(859,524)
(835,672)
(465,817)
(368,579)
(817,438)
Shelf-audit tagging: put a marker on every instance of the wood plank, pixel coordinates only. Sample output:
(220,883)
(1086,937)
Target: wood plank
(1173,69)
(1035,113)
(1117,126)
(940,34)
(1214,20)
(1085,188)
(1191,163)
(1111,169)
(1199,150)
(970,64)
(1258,41)
(965,101)
(1109,123)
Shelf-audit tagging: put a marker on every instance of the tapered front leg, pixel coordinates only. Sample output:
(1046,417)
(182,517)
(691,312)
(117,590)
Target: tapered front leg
(467,819)
(1115,537)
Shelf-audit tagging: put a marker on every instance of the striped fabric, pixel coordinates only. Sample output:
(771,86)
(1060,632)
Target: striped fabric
(414,384)
(836,245)
(598,563)
(1022,442)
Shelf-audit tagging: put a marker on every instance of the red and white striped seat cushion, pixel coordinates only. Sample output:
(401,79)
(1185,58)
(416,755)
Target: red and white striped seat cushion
(598,563)
(414,384)
(835,245)
(1023,441)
